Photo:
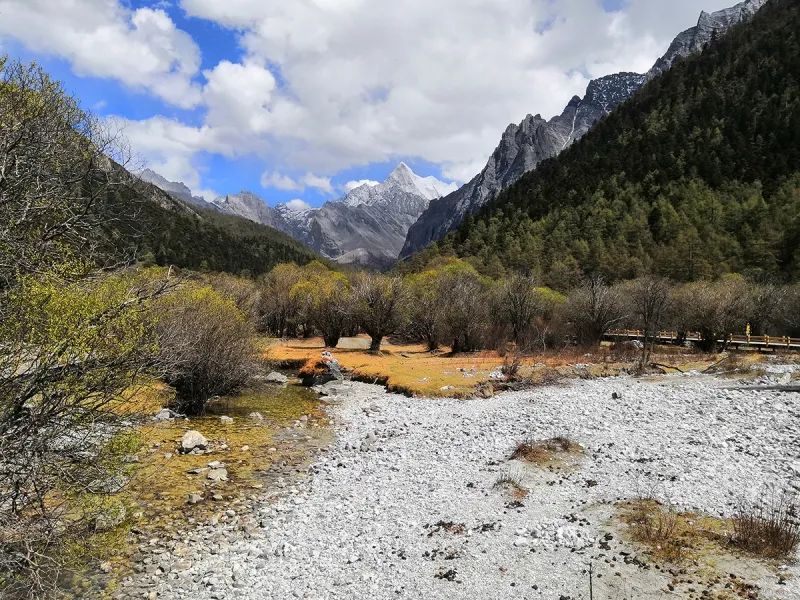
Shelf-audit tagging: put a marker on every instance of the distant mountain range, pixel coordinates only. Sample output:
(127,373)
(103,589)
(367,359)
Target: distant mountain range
(177,190)
(367,226)
(524,146)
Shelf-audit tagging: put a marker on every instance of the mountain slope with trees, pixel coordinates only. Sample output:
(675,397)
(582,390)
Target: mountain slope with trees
(694,177)
(168,232)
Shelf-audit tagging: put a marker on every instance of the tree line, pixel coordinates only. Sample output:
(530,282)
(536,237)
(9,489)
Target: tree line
(449,303)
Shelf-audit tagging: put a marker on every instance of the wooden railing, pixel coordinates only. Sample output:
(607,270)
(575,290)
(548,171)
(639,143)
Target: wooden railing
(736,340)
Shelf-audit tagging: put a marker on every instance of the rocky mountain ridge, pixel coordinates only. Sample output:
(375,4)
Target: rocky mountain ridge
(367,226)
(522,147)
(176,189)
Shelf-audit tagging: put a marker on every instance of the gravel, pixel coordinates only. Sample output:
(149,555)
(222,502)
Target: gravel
(404,503)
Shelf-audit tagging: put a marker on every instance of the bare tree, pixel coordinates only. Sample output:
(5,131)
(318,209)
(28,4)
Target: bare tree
(278,309)
(378,302)
(719,308)
(422,318)
(648,302)
(465,307)
(325,299)
(517,306)
(594,308)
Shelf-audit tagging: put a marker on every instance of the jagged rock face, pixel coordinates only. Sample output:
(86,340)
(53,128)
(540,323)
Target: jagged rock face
(369,225)
(524,146)
(252,207)
(176,189)
(521,149)
(708,25)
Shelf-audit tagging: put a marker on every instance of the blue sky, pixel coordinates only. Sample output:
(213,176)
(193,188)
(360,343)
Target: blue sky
(297,99)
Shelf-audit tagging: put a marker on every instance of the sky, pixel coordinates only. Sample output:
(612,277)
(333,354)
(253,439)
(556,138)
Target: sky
(300,99)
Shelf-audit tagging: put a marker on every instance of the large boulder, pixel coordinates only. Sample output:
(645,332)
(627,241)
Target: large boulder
(193,440)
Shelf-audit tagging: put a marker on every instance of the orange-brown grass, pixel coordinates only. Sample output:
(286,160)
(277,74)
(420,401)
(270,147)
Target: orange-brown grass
(512,484)
(547,452)
(405,368)
(413,370)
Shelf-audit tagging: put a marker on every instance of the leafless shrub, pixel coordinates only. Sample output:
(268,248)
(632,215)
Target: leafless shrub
(205,346)
(654,523)
(378,302)
(513,482)
(72,339)
(544,451)
(511,364)
(769,527)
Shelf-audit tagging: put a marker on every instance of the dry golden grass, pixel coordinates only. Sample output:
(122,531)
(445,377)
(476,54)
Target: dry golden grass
(547,452)
(674,536)
(511,483)
(411,369)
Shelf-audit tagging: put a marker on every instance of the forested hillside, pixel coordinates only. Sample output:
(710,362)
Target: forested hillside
(694,177)
(170,233)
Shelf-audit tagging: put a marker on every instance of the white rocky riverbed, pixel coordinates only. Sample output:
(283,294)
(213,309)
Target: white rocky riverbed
(362,523)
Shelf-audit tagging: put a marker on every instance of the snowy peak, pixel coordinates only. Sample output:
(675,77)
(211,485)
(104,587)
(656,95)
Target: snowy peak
(400,181)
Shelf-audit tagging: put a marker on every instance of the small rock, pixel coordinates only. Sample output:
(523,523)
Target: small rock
(226,420)
(194,498)
(217,475)
(164,414)
(277,378)
(193,440)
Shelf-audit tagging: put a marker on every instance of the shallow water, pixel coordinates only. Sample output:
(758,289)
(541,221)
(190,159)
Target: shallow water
(272,401)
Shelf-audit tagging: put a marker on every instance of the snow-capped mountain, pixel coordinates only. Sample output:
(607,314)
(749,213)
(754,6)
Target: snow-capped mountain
(367,226)
(250,206)
(401,182)
(522,147)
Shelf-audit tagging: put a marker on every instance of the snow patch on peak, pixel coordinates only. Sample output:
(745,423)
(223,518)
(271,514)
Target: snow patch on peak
(401,181)
(351,185)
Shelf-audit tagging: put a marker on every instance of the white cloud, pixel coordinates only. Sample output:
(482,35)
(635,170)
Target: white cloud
(141,48)
(298,205)
(167,147)
(280,182)
(351,185)
(322,184)
(284,182)
(325,85)
(365,82)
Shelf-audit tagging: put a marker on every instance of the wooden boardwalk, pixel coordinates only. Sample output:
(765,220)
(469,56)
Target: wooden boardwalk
(753,342)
